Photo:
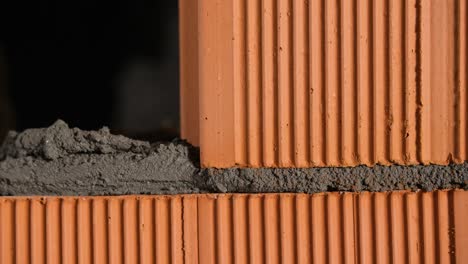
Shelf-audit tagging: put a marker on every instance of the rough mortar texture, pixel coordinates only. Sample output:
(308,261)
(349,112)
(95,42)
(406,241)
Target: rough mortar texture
(59,160)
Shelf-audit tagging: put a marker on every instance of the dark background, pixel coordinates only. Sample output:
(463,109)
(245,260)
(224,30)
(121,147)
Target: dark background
(92,64)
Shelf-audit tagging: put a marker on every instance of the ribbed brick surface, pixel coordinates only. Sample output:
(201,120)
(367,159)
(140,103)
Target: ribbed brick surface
(399,227)
(328,83)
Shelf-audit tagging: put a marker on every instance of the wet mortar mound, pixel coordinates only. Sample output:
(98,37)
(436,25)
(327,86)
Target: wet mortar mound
(59,160)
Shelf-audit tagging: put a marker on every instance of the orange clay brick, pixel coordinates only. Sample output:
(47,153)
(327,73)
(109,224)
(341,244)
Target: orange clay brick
(324,83)
(398,227)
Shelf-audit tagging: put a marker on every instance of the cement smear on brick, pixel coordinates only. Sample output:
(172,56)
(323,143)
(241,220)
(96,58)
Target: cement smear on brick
(59,160)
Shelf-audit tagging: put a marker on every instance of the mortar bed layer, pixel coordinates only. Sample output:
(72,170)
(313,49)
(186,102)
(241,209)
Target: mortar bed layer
(59,160)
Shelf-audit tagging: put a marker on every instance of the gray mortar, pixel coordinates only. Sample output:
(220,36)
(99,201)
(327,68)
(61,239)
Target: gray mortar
(59,160)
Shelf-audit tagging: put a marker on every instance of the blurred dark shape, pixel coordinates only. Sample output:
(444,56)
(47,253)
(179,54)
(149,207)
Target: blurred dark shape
(6,112)
(75,60)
